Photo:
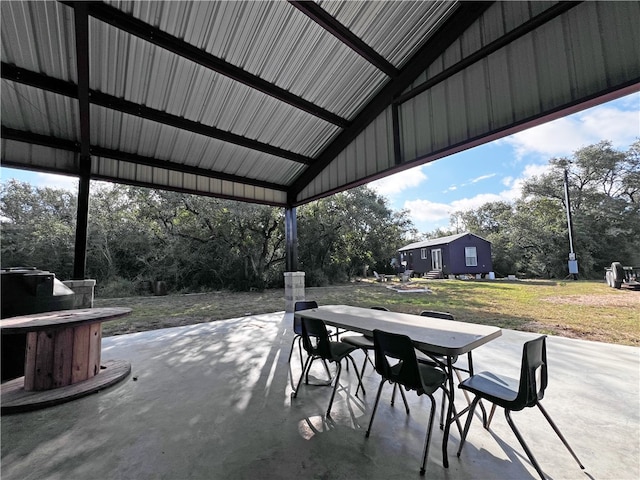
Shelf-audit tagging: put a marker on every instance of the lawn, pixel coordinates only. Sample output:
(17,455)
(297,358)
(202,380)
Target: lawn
(588,310)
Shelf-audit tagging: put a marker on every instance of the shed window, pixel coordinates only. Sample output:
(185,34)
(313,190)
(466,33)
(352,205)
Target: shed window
(471,257)
(423,253)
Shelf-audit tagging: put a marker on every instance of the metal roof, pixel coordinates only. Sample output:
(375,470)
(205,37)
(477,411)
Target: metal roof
(284,102)
(432,242)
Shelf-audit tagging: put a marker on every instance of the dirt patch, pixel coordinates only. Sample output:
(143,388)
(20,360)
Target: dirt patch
(622,299)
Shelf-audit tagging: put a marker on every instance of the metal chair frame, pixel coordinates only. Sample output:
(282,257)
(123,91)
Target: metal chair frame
(515,395)
(406,372)
(317,344)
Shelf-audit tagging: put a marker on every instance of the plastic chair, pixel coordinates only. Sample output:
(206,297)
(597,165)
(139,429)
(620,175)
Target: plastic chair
(406,372)
(364,343)
(297,326)
(515,395)
(317,344)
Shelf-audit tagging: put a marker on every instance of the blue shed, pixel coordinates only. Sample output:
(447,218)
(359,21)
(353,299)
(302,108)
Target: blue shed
(460,254)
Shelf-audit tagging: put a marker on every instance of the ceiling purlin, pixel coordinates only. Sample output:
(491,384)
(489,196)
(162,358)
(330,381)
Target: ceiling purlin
(346,36)
(62,87)
(462,18)
(154,35)
(97,151)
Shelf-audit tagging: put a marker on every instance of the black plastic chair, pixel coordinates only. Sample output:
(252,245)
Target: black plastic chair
(297,326)
(317,344)
(406,372)
(515,395)
(364,343)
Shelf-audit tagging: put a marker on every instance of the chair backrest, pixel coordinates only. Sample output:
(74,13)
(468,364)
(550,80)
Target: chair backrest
(396,359)
(533,374)
(434,314)
(315,338)
(384,309)
(303,305)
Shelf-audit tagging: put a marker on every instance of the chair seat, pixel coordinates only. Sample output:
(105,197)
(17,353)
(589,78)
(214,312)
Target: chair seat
(340,350)
(432,378)
(359,341)
(497,389)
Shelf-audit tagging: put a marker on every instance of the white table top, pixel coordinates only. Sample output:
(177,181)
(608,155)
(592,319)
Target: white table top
(444,337)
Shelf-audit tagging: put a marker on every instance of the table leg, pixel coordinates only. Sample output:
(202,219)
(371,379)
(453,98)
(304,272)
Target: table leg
(447,424)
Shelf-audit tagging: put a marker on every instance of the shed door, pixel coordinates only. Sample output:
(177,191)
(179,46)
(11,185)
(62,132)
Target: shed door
(436,259)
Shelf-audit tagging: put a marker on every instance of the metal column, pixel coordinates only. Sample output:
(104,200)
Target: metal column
(81,20)
(291,239)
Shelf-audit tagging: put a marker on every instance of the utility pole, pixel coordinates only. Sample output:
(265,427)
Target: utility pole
(573,262)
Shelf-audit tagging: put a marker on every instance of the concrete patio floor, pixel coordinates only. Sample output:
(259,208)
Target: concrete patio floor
(212,401)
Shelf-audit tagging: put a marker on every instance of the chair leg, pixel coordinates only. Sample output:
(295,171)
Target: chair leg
(335,387)
(427,440)
(375,407)
(555,429)
(364,364)
(306,366)
(293,344)
(493,409)
(404,398)
(467,424)
(355,369)
(533,460)
(326,367)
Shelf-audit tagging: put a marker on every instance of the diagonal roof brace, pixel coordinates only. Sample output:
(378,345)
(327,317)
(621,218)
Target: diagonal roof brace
(154,35)
(458,22)
(62,87)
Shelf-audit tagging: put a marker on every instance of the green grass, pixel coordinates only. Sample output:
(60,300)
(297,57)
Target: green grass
(580,309)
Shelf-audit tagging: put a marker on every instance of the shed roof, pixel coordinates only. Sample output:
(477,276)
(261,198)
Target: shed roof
(432,242)
(284,102)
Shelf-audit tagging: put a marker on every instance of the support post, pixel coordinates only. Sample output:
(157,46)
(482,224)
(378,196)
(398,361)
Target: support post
(293,280)
(291,239)
(81,22)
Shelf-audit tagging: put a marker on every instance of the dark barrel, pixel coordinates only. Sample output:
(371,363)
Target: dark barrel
(27,290)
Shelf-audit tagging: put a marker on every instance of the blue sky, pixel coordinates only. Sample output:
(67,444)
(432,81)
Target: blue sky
(467,180)
(495,171)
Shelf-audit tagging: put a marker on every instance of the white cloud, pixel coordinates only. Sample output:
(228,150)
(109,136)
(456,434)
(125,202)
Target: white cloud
(482,177)
(395,184)
(564,136)
(56,181)
(424,210)
(427,211)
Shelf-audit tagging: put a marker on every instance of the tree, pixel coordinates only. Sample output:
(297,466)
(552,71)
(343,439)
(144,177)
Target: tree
(343,235)
(531,236)
(38,227)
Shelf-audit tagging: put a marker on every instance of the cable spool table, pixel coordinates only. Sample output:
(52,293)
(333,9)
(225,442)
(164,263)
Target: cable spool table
(63,358)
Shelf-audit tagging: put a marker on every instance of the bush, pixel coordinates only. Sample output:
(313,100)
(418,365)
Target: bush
(117,287)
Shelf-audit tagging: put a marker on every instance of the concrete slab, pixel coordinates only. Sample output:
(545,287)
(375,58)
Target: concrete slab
(212,401)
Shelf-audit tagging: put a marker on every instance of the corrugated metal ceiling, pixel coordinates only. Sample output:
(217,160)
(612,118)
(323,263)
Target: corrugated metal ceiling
(283,102)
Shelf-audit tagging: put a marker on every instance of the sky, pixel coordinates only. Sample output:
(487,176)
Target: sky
(491,172)
(495,171)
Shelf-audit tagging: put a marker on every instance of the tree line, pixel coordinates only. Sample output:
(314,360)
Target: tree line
(530,236)
(196,243)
